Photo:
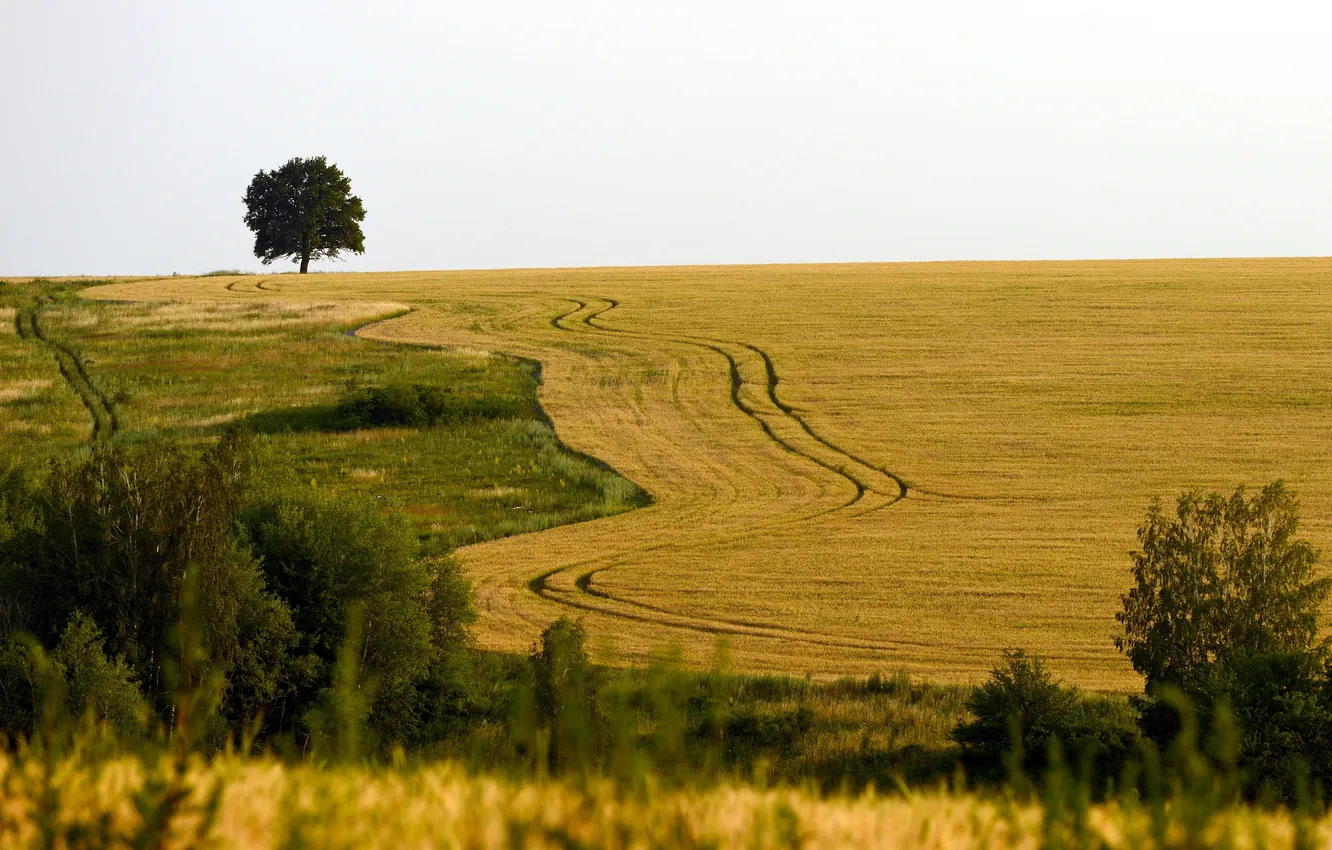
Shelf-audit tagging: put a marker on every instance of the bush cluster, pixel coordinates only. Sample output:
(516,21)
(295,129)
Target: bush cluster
(151,568)
(1021,713)
(421,405)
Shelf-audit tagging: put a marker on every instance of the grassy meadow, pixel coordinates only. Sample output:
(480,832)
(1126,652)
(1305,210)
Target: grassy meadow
(42,416)
(186,371)
(871,467)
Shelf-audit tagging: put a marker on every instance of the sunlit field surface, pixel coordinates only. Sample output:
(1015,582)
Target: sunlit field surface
(870,467)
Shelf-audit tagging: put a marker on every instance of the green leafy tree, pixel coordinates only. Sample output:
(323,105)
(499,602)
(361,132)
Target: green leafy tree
(1220,577)
(119,538)
(326,558)
(566,694)
(1283,706)
(453,690)
(104,686)
(304,210)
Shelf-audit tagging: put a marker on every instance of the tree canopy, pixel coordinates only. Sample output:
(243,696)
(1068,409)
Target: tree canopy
(304,210)
(1221,577)
(138,558)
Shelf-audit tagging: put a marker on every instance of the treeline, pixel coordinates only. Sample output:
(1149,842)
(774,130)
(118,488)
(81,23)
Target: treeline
(146,569)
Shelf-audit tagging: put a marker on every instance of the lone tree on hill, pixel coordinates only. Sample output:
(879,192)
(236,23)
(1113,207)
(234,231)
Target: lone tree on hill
(304,210)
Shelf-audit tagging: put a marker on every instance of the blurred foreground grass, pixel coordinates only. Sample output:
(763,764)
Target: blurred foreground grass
(262,803)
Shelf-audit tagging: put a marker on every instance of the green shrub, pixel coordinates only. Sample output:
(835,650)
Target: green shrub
(337,722)
(105,687)
(420,406)
(18,696)
(1282,704)
(749,734)
(1020,693)
(120,537)
(565,695)
(1022,697)
(77,675)
(323,557)
(18,514)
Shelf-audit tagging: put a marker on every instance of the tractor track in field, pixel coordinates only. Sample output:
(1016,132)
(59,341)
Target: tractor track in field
(737,384)
(770,389)
(903,485)
(254,285)
(102,409)
(660,615)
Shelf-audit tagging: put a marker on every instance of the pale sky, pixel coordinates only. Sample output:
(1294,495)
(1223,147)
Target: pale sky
(506,134)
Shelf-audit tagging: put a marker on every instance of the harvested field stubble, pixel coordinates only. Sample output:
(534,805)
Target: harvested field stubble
(866,467)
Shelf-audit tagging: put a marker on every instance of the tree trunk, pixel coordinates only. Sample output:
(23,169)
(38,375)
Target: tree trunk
(305,263)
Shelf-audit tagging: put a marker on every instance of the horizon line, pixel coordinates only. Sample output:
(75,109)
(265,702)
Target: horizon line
(776,264)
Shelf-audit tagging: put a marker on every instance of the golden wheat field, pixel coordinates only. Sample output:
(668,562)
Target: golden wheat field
(260,803)
(871,467)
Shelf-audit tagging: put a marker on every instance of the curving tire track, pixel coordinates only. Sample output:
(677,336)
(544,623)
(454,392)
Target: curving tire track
(250,285)
(737,382)
(596,599)
(789,412)
(904,486)
(102,409)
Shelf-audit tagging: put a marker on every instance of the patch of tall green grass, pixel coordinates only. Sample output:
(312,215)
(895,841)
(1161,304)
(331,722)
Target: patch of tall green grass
(480,462)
